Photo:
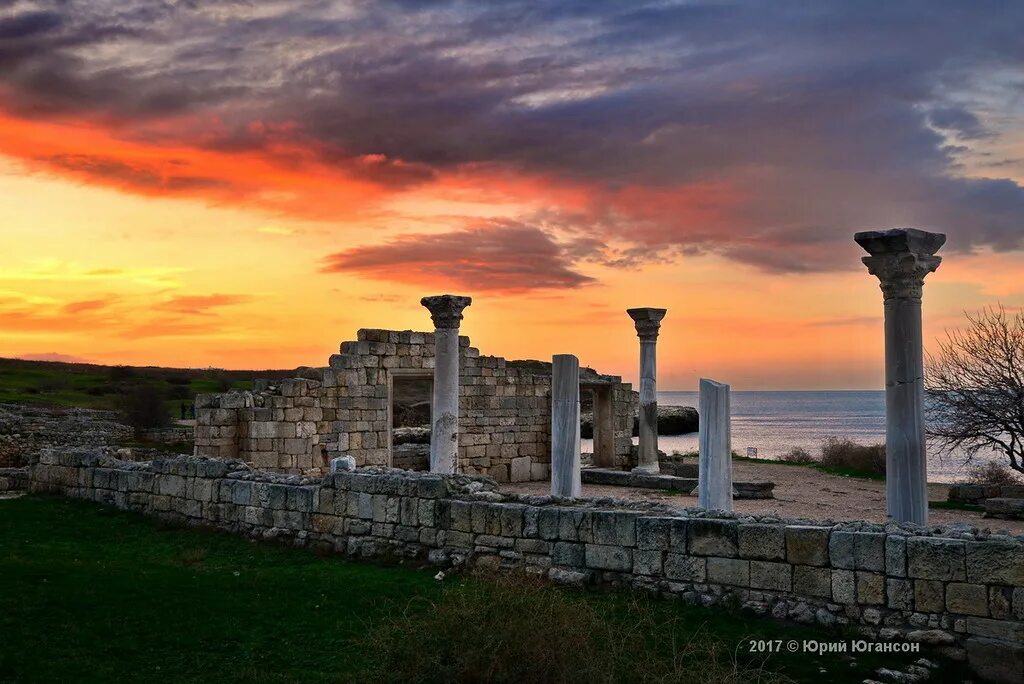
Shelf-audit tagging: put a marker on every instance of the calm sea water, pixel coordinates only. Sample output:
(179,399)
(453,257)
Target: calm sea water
(776,422)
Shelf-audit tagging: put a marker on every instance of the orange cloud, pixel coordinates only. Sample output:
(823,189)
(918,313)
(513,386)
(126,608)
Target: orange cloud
(283,177)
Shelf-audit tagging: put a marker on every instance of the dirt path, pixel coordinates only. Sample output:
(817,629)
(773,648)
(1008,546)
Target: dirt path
(801,493)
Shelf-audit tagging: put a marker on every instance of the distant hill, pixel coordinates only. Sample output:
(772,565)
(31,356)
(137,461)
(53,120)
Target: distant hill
(88,385)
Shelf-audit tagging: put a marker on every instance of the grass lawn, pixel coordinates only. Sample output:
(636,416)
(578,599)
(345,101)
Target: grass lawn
(88,593)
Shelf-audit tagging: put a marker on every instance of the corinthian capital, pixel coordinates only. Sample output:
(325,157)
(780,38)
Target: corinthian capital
(900,259)
(647,322)
(446,310)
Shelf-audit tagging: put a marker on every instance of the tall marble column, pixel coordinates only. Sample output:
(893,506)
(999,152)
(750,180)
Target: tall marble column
(565,426)
(901,259)
(647,322)
(446,312)
(714,475)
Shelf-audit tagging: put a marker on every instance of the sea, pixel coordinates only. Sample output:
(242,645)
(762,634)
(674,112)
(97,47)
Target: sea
(775,422)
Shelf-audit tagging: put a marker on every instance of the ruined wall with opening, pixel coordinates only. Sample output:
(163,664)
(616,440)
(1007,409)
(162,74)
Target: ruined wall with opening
(297,425)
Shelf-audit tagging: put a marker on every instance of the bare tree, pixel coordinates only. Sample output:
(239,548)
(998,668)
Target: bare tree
(975,387)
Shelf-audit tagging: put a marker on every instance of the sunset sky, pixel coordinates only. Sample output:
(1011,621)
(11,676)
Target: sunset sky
(245,184)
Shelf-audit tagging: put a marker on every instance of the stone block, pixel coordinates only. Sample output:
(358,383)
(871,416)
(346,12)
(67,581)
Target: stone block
(899,594)
(929,596)
(601,557)
(712,537)
(812,581)
(653,533)
(844,586)
(1000,602)
(995,562)
(685,568)
(1018,603)
(766,575)
(857,550)
(575,525)
(731,571)
(762,542)
(996,629)
(612,527)
(967,599)
(896,555)
(519,469)
(807,545)
(648,562)
(936,558)
(870,588)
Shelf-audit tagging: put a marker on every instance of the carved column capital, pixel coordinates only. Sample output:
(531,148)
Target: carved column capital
(647,322)
(900,259)
(446,310)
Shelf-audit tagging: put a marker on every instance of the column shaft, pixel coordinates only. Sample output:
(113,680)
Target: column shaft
(647,455)
(444,436)
(714,477)
(565,426)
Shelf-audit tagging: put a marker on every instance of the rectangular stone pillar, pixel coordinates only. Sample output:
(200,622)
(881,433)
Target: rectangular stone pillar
(714,483)
(565,426)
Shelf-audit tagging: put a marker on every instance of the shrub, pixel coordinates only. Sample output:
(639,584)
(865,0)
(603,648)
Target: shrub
(845,453)
(523,630)
(118,373)
(992,473)
(798,455)
(142,407)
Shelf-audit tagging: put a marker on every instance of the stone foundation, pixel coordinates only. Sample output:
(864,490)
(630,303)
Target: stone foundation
(955,586)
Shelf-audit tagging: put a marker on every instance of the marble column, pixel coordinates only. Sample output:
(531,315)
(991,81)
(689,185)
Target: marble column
(565,426)
(647,322)
(714,477)
(446,312)
(901,259)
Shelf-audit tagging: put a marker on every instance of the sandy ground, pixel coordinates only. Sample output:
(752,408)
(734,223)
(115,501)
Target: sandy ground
(800,493)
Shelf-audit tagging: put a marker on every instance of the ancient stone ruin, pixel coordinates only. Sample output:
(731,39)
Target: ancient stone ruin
(346,409)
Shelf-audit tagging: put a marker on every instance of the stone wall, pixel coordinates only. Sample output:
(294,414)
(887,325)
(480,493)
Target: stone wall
(297,425)
(954,586)
(976,493)
(26,429)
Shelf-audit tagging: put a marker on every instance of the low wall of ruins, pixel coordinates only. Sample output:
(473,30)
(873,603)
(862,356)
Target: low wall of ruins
(297,425)
(954,586)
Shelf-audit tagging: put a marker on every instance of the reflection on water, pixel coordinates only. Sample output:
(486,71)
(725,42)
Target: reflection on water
(776,422)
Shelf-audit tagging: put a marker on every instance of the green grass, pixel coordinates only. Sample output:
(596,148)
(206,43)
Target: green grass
(48,383)
(832,470)
(89,593)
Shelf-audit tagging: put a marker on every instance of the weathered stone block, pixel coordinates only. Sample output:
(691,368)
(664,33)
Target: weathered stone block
(870,588)
(807,545)
(967,599)
(995,660)
(574,525)
(685,568)
(929,596)
(712,537)
(762,541)
(812,581)
(899,594)
(601,557)
(612,527)
(1006,630)
(896,555)
(732,571)
(844,586)
(653,533)
(936,558)
(995,562)
(648,562)
(766,575)
(857,550)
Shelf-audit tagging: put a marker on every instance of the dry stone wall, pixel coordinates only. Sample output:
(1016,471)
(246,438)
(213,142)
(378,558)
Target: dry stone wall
(948,586)
(27,429)
(297,425)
